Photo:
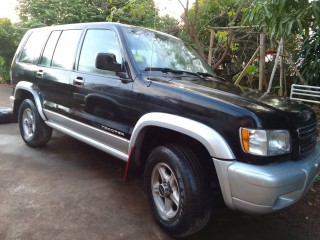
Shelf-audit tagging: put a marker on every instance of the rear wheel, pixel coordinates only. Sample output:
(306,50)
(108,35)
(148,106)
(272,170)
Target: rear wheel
(178,190)
(33,129)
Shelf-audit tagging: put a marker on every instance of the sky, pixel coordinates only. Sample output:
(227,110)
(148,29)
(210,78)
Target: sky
(7,10)
(170,7)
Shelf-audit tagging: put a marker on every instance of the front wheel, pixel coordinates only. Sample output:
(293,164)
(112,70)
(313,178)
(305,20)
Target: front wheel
(33,130)
(178,190)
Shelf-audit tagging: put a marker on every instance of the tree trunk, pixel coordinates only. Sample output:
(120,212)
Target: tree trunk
(190,26)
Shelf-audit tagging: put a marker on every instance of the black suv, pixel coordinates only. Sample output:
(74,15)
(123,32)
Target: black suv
(148,99)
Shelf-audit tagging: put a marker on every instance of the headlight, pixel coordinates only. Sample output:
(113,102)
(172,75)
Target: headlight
(265,142)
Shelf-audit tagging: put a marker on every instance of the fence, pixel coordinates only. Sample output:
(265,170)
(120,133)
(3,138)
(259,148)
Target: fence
(305,93)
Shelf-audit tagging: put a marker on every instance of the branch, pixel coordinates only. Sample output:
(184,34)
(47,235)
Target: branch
(190,26)
(302,80)
(185,10)
(195,12)
(207,23)
(230,36)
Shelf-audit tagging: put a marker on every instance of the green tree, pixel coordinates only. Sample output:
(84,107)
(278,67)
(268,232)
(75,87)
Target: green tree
(50,12)
(8,42)
(133,12)
(208,13)
(144,13)
(138,13)
(4,74)
(169,25)
(284,18)
(309,53)
(232,47)
(297,22)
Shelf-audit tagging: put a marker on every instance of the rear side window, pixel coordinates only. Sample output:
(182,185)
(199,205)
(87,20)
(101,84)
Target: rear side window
(65,50)
(33,47)
(49,49)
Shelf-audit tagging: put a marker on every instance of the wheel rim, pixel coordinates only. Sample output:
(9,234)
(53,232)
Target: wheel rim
(28,123)
(165,191)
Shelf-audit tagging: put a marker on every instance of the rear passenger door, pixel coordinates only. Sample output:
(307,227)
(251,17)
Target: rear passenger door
(101,98)
(55,68)
(26,63)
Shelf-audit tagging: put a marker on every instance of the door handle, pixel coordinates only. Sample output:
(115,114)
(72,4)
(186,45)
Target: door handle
(40,73)
(78,81)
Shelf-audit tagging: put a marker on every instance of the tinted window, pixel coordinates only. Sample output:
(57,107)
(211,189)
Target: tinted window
(33,47)
(98,41)
(66,48)
(50,46)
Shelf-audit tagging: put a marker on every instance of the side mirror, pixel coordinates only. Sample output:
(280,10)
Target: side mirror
(107,61)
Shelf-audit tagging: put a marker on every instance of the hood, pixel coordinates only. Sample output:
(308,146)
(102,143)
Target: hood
(255,101)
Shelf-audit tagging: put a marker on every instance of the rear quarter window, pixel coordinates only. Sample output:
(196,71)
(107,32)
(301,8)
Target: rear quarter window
(33,47)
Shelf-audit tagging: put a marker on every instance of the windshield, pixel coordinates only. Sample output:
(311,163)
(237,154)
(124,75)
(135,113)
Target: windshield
(153,50)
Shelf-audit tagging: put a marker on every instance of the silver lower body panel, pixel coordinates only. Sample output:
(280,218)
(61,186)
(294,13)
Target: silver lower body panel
(97,138)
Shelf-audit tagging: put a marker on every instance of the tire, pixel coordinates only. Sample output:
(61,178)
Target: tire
(178,190)
(33,130)
(6,115)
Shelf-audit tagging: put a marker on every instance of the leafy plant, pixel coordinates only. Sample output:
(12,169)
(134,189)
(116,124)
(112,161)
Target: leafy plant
(297,22)
(284,18)
(4,74)
(310,59)
(50,12)
(8,42)
(251,73)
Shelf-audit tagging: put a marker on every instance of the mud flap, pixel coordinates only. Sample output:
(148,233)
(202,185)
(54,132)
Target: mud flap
(131,171)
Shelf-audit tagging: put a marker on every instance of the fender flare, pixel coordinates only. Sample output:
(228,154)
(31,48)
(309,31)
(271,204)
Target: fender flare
(210,138)
(36,93)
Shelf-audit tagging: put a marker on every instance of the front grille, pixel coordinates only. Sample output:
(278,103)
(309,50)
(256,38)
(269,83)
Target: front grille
(308,139)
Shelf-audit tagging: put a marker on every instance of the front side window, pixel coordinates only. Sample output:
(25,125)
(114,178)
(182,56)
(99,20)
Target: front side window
(98,41)
(33,47)
(65,50)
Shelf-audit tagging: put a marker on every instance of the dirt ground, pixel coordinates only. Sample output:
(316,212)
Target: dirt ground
(305,214)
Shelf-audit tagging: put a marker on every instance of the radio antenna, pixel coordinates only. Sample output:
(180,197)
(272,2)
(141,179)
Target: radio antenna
(155,16)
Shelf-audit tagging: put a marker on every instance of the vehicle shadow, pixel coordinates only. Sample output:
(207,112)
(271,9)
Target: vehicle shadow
(226,224)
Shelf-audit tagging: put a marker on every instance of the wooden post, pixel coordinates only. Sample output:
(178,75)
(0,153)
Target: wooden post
(274,68)
(211,47)
(281,68)
(262,61)
(293,65)
(246,67)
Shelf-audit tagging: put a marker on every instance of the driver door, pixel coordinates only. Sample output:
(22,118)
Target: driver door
(100,98)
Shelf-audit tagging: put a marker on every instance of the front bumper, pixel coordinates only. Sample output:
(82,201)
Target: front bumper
(263,189)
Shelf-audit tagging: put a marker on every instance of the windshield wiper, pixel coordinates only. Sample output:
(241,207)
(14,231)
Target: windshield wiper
(201,75)
(164,70)
(210,75)
(205,74)
(169,70)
